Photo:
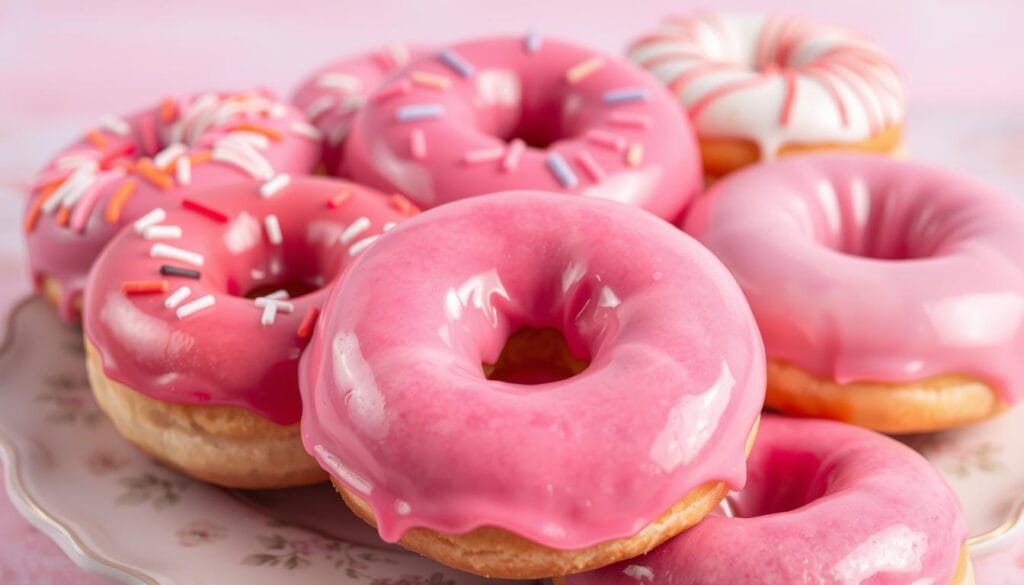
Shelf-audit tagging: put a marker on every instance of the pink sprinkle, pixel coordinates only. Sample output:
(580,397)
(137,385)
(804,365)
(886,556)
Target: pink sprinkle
(394,90)
(512,155)
(418,144)
(147,134)
(483,155)
(85,205)
(630,119)
(589,165)
(607,140)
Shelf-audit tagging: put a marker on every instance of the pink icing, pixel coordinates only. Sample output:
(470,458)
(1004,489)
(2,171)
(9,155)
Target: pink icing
(611,131)
(398,409)
(866,268)
(825,503)
(224,354)
(201,123)
(333,94)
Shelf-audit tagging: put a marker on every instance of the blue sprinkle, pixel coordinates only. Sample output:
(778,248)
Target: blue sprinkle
(414,112)
(456,62)
(625,94)
(560,169)
(533,41)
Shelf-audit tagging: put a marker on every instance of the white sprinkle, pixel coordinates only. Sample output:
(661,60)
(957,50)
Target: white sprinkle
(402,508)
(340,82)
(307,130)
(162,232)
(184,170)
(271,187)
(174,299)
(273,228)
(166,156)
(639,572)
(150,219)
(257,274)
(115,125)
(351,104)
(253,139)
(354,229)
(269,314)
(204,302)
(244,157)
(283,306)
(362,245)
(319,106)
(387,226)
(277,111)
(173,253)
(77,162)
(71,188)
(277,295)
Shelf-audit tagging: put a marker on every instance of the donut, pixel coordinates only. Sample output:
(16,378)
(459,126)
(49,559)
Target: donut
(825,504)
(195,317)
(122,168)
(331,96)
(524,113)
(633,439)
(889,294)
(757,87)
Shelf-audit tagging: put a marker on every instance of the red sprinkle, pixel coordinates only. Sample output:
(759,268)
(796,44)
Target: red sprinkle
(134,287)
(308,323)
(112,155)
(202,209)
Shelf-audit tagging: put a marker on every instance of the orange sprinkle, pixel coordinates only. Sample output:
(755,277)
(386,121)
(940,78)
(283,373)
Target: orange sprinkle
(97,138)
(200,156)
(340,199)
(258,129)
(635,154)
(582,70)
(144,286)
(64,216)
(168,110)
(144,168)
(118,199)
(36,209)
(403,205)
(308,323)
(431,80)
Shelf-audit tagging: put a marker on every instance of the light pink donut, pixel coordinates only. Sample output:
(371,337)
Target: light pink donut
(331,96)
(398,410)
(123,168)
(825,504)
(513,113)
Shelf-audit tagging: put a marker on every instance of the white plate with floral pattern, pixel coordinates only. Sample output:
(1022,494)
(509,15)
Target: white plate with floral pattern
(118,514)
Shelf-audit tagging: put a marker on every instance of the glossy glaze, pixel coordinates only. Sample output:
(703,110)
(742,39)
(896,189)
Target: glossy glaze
(65,252)
(569,100)
(224,354)
(825,504)
(862,268)
(398,409)
(774,81)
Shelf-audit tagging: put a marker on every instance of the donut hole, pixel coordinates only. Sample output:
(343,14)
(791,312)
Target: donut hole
(293,288)
(508,108)
(535,356)
(539,136)
(787,480)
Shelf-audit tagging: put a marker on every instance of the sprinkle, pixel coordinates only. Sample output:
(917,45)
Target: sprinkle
(183,170)
(362,245)
(512,155)
(162,232)
(418,144)
(115,125)
(134,287)
(168,110)
(483,155)
(88,200)
(273,229)
(273,186)
(118,200)
(308,323)
(307,130)
(244,138)
(589,164)
(203,209)
(319,106)
(173,253)
(145,169)
(584,69)
(241,154)
(152,218)
(337,134)
(399,53)
(457,62)
(233,157)
(283,306)
(624,95)
(147,135)
(164,158)
(630,120)
(69,188)
(560,169)
(533,41)
(35,210)
(394,90)
(387,226)
(204,302)
(340,199)
(258,129)
(607,140)
(278,295)
(354,229)
(64,216)
(168,270)
(175,298)
(340,81)
(200,157)
(269,315)
(430,80)
(402,204)
(109,157)
(415,112)
(635,154)
(98,140)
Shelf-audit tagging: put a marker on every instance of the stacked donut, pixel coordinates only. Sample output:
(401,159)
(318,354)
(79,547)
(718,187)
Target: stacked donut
(558,369)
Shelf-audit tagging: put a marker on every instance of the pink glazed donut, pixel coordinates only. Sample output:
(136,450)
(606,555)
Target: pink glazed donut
(825,504)
(513,113)
(195,317)
(550,476)
(333,94)
(889,294)
(123,168)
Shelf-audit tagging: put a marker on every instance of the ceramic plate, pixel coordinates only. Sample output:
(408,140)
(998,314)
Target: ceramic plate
(120,515)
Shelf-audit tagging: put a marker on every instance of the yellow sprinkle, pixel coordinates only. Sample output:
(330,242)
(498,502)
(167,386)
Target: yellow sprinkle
(635,154)
(582,70)
(432,80)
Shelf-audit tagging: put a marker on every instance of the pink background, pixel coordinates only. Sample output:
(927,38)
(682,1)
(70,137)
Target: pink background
(64,63)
